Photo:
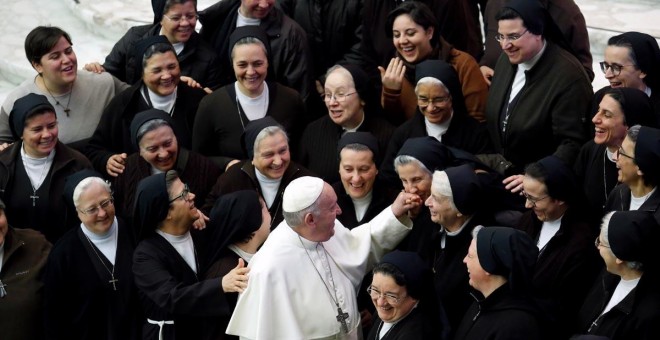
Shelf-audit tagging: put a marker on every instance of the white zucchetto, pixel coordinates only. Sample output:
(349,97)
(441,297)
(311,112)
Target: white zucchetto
(301,193)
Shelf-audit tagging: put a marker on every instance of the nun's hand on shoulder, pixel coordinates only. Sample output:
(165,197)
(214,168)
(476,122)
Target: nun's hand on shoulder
(3,146)
(94,67)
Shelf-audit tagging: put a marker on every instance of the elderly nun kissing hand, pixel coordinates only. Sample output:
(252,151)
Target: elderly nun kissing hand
(404,202)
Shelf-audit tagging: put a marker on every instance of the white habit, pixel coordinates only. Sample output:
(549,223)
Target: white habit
(285,297)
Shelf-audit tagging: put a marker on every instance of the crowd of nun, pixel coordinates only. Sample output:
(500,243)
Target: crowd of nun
(417,183)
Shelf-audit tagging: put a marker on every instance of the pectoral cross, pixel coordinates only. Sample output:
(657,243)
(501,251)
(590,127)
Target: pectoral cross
(34,199)
(113,281)
(341,318)
(3,291)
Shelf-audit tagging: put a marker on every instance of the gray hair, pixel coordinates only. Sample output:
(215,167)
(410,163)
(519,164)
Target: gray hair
(267,132)
(249,41)
(85,184)
(604,230)
(633,132)
(476,231)
(406,159)
(430,81)
(441,186)
(170,177)
(150,126)
(296,218)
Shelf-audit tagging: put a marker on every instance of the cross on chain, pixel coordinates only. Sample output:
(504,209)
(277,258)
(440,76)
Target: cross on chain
(34,199)
(113,281)
(341,318)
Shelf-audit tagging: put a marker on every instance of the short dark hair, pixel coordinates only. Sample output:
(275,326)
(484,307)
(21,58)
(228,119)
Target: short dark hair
(622,41)
(41,40)
(157,48)
(537,172)
(420,13)
(395,273)
(170,3)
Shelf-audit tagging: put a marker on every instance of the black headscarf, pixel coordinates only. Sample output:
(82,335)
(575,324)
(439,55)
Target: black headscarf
(510,253)
(632,236)
(647,152)
(252,130)
(364,88)
(23,107)
(647,53)
(560,180)
(151,204)
(539,22)
(415,271)
(250,31)
(465,188)
(444,72)
(363,138)
(141,47)
(429,151)
(158,7)
(70,184)
(144,117)
(636,106)
(233,218)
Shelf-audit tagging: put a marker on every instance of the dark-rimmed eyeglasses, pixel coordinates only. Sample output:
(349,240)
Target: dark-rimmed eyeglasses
(95,209)
(510,38)
(437,101)
(180,18)
(183,195)
(340,97)
(533,199)
(620,152)
(390,298)
(615,68)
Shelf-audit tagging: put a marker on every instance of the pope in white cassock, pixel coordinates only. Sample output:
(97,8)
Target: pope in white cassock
(303,282)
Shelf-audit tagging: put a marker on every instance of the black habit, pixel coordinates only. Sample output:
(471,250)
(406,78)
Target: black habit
(80,299)
(171,291)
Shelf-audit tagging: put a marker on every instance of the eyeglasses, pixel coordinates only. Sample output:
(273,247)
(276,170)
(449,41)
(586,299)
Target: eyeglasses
(533,199)
(510,38)
(615,68)
(620,152)
(340,97)
(179,18)
(438,101)
(183,195)
(390,298)
(599,244)
(95,209)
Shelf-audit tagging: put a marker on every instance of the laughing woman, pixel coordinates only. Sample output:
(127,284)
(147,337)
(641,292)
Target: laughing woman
(32,171)
(416,37)
(224,114)
(159,151)
(160,89)
(78,97)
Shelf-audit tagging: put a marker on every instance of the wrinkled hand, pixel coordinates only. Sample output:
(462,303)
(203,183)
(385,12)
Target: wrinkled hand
(405,202)
(488,73)
(366,319)
(392,78)
(514,183)
(3,146)
(116,164)
(94,67)
(237,279)
(200,222)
